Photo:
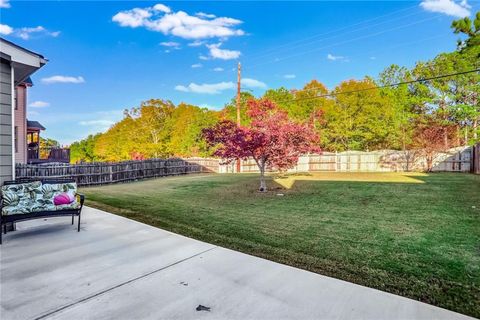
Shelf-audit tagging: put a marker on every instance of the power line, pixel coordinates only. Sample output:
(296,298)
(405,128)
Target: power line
(383,86)
(374,51)
(345,42)
(308,41)
(268,52)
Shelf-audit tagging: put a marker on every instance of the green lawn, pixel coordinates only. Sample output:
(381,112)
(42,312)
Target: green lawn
(416,235)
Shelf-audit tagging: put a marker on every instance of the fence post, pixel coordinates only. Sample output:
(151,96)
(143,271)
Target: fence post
(336,161)
(475,167)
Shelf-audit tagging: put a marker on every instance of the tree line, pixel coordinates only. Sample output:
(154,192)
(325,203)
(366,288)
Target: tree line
(398,110)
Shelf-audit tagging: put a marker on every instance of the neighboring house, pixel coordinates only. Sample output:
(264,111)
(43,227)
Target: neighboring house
(17,64)
(26,133)
(20,114)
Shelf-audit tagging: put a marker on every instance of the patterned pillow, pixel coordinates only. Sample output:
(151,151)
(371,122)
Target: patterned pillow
(60,187)
(21,198)
(63,198)
(70,188)
(50,191)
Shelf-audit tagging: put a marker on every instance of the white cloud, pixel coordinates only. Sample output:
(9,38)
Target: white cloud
(206,88)
(132,18)
(160,18)
(5,29)
(4,4)
(171,44)
(102,123)
(332,57)
(205,15)
(373,58)
(57,120)
(201,57)
(449,7)
(218,69)
(162,8)
(196,43)
(98,125)
(181,88)
(224,54)
(92,122)
(27,32)
(289,76)
(216,88)
(197,65)
(39,104)
(63,79)
(336,58)
(253,83)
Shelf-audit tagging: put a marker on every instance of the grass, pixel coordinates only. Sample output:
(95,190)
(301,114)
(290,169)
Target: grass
(415,235)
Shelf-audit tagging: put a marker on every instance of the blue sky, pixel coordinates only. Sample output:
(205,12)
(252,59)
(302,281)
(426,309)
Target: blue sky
(108,56)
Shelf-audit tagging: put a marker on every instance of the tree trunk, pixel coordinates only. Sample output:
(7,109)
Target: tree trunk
(429,158)
(263,183)
(458,135)
(475,124)
(465,139)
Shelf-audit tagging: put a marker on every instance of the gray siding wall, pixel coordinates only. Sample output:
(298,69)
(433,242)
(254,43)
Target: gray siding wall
(5,122)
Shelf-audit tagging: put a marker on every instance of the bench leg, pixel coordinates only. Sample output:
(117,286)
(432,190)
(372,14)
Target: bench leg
(78,228)
(72,218)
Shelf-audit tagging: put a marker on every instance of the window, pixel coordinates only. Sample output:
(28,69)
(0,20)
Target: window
(16,138)
(32,137)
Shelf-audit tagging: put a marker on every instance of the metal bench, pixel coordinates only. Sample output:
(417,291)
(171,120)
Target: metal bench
(7,219)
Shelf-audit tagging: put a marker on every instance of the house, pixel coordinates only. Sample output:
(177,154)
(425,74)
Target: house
(17,64)
(26,133)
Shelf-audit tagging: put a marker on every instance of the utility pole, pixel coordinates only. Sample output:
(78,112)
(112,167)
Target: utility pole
(239,77)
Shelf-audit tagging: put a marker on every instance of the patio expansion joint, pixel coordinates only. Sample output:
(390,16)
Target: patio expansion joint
(89,297)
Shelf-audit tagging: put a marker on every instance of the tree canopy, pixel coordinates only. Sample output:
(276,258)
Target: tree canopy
(272,139)
(362,114)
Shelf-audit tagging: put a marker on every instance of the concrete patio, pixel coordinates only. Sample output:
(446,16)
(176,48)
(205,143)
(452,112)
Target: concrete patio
(116,268)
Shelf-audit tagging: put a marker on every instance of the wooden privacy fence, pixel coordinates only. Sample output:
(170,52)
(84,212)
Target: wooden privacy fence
(465,159)
(96,173)
(455,160)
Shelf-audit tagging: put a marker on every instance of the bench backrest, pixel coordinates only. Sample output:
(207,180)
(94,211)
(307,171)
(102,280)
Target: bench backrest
(43,181)
(24,196)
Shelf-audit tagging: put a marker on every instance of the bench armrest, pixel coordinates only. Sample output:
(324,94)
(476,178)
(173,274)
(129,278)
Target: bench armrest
(82,199)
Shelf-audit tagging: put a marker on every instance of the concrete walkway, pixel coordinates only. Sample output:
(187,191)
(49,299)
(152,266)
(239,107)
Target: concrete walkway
(116,268)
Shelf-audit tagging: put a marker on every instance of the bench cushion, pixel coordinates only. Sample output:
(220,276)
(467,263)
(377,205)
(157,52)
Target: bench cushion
(34,197)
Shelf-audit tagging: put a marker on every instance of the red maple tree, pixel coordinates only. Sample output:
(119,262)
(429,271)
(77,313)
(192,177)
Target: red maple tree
(432,138)
(271,138)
